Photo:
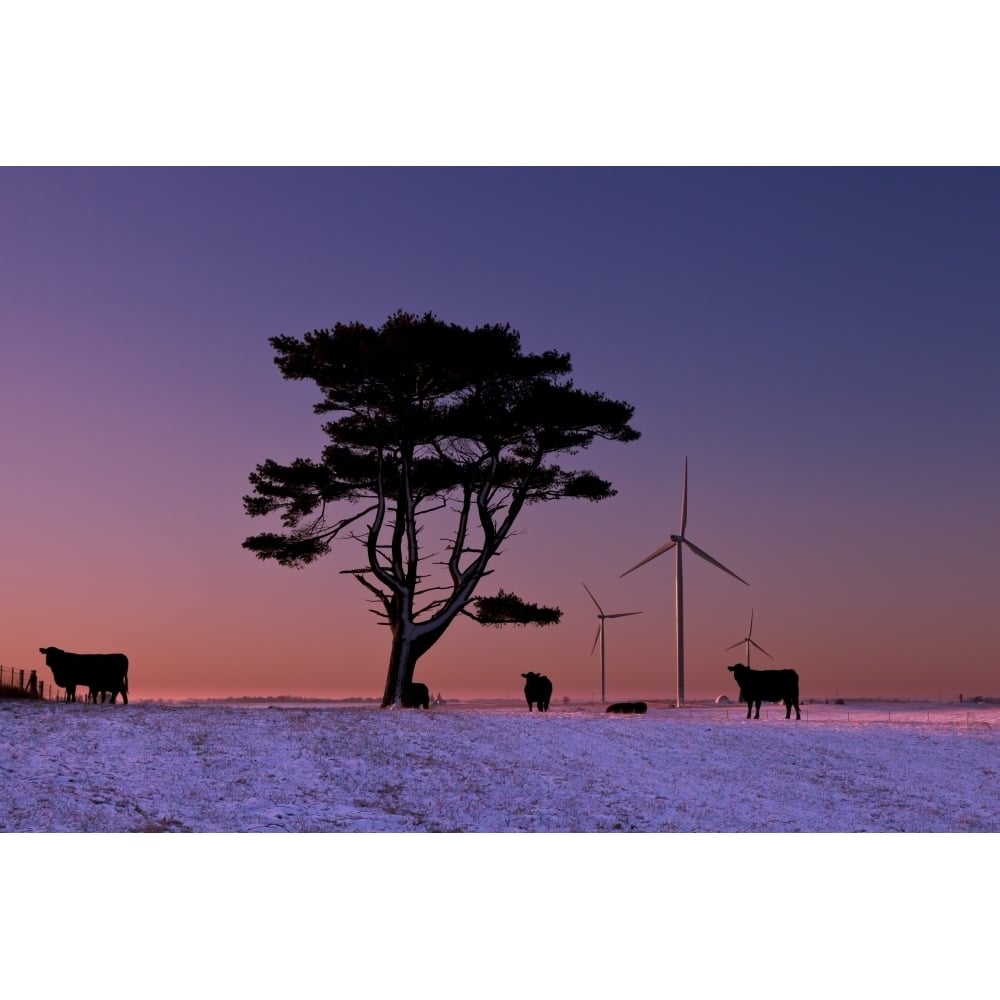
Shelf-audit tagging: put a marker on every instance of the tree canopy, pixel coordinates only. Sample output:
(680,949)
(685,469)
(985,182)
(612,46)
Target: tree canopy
(429,420)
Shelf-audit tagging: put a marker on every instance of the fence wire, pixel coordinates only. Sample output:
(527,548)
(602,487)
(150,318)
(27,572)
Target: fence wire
(18,683)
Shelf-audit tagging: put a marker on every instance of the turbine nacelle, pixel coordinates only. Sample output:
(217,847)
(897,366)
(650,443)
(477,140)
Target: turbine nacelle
(678,540)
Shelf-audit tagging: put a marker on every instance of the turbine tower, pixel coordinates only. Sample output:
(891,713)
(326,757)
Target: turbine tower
(679,542)
(749,642)
(600,632)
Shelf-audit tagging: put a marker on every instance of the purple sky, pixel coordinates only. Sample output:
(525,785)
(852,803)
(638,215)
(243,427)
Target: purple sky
(821,343)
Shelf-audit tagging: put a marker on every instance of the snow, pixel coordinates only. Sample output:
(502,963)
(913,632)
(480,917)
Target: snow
(225,768)
(203,768)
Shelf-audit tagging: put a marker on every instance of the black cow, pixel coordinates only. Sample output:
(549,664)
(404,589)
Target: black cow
(537,690)
(416,695)
(627,708)
(767,685)
(100,672)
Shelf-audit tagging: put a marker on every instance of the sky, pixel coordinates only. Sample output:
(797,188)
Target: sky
(819,344)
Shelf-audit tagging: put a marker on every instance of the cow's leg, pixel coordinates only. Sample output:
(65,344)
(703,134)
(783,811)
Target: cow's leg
(788,710)
(757,709)
(797,715)
(749,707)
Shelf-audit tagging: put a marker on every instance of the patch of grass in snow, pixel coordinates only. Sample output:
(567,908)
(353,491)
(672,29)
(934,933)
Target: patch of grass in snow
(164,825)
(8,691)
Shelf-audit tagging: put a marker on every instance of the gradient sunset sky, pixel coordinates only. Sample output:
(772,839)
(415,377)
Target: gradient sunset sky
(822,345)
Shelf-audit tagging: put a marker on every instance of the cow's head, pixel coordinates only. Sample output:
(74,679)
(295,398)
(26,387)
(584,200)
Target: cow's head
(48,651)
(739,670)
(531,676)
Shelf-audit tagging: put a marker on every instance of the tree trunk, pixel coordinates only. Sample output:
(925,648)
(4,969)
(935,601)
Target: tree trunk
(401,665)
(409,643)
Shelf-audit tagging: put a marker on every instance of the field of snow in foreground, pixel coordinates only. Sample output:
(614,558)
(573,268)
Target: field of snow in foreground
(155,767)
(490,915)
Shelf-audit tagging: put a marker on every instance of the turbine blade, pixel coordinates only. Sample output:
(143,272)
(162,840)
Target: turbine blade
(623,614)
(715,562)
(761,648)
(684,501)
(596,637)
(734,645)
(750,630)
(651,556)
(594,599)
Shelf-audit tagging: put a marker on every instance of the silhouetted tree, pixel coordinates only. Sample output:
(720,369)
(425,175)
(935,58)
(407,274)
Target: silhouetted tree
(431,418)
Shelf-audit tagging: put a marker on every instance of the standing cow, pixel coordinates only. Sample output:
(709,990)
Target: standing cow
(537,690)
(416,695)
(100,672)
(767,685)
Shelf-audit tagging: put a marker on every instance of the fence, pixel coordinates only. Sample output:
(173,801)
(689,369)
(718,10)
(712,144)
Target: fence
(25,684)
(939,714)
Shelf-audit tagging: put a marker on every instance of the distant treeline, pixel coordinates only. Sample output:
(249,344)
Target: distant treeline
(262,699)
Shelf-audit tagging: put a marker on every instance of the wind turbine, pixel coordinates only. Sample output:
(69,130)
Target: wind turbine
(678,542)
(600,632)
(749,642)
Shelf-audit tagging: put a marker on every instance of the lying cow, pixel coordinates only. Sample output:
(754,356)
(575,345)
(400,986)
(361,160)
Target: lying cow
(100,672)
(767,685)
(627,708)
(416,695)
(537,690)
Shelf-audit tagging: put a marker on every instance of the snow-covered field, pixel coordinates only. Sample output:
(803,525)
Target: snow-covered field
(154,767)
(496,769)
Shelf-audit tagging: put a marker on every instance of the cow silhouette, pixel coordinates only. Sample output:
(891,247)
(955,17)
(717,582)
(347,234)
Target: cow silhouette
(416,695)
(537,690)
(767,685)
(100,672)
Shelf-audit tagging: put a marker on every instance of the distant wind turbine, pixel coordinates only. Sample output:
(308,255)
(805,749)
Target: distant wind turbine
(600,632)
(749,642)
(678,542)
